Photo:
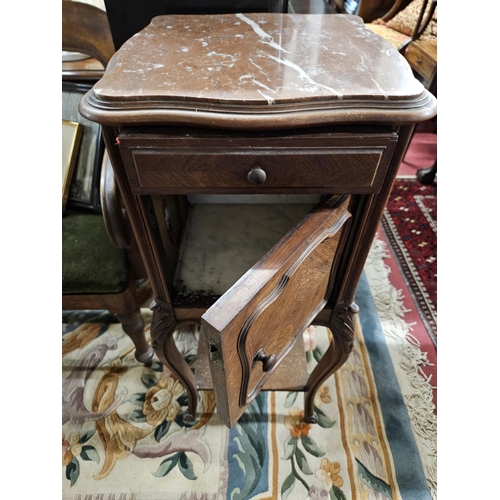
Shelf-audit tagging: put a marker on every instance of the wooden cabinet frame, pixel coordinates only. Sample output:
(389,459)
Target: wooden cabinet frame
(341,135)
(336,313)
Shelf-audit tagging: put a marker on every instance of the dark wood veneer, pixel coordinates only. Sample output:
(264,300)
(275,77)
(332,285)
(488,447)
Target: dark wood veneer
(330,163)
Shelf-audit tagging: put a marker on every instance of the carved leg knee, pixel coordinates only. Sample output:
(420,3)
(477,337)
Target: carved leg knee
(133,326)
(162,332)
(343,333)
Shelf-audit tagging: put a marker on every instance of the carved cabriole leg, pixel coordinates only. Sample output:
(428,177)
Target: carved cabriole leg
(162,335)
(367,212)
(342,328)
(141,211)
(133,325)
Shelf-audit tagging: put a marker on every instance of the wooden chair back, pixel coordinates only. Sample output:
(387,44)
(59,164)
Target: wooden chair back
(85,29)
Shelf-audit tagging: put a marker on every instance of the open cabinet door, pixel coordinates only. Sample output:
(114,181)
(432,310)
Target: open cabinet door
(253,326)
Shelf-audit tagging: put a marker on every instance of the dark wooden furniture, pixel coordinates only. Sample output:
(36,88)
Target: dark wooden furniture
(85,30)
(195,107)
(422,57)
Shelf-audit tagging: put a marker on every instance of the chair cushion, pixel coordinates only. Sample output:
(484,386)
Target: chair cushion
(395,37)
(406,20)
(90,264)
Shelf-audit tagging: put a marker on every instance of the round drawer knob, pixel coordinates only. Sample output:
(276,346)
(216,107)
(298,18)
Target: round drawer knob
(268,362)
(256,175)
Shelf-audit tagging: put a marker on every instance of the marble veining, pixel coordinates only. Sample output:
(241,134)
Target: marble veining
(302,73)
(266,59)
(265,37)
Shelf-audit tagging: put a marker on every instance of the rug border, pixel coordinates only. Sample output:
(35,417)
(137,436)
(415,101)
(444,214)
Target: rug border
(410,476)
(413,281)
(407,356)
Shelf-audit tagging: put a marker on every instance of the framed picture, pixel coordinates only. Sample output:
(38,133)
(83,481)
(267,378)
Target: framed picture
(71,136)
(84,187)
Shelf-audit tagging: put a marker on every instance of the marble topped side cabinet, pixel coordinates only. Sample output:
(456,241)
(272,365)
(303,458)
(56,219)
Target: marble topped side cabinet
(255,154)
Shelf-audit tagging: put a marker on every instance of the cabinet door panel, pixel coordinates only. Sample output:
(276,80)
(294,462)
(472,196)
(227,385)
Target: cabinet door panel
(253,326)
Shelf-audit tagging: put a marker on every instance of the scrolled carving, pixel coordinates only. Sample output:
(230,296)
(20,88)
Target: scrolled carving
(162,336)
(343,324)
(163,321)
(343,332)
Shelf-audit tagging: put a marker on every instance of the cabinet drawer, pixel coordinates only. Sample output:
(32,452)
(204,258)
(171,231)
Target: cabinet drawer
(422,58)
(339,170)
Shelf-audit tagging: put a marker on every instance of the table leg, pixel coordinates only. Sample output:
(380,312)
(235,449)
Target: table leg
(342,329)
(133,326)
(427,176)
(163,326)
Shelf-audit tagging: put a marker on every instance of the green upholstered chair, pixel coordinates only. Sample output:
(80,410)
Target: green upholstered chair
(101,263)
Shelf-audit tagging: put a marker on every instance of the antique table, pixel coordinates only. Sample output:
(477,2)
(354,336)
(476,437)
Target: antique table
(255,154)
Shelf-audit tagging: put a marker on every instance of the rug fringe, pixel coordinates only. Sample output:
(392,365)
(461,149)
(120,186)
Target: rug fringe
(405,352)
(136,496)
(102,496)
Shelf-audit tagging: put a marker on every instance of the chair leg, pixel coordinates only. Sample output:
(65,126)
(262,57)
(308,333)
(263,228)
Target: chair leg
(133,325)
(427,176)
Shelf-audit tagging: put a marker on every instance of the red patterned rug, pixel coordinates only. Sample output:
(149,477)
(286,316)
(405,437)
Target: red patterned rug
(410,227)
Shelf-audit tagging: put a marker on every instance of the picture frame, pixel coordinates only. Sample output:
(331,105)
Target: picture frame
(84,188)
(71,138)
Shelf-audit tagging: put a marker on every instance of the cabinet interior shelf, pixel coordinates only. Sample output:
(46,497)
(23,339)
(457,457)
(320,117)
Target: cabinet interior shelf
(221,242)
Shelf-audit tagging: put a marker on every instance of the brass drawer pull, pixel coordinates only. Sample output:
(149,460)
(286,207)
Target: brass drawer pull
(268,362)
(256,176)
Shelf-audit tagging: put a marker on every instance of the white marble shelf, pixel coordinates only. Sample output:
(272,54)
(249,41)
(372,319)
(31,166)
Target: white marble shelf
(222,241)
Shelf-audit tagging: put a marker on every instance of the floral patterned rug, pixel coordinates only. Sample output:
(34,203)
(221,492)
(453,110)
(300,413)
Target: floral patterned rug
(124,438)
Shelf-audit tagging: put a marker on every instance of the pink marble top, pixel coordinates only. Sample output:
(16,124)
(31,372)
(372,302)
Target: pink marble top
(259,59)
(257,71)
